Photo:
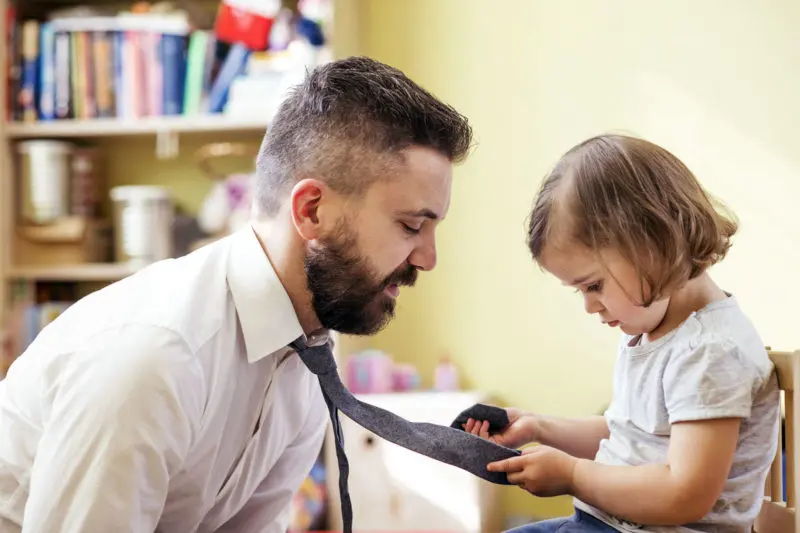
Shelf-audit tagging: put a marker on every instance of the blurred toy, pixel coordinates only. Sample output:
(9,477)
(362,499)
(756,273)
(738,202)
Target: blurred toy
(308,503)
(446,376)
(227,207)
(374,372)
(405,378)
(291,25)
(370,372)
(248,22)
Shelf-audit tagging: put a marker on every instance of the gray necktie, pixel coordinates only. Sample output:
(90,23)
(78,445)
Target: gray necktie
(446,444)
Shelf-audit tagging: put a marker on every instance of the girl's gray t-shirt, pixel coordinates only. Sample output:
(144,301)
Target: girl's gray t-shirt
(712,366)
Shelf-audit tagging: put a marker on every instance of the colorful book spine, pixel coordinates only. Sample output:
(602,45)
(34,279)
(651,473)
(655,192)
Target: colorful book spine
(232,67)
(126,67)
(195,72)
(29,90)
(63,75)
(173,61)
(47,74)
(121,88)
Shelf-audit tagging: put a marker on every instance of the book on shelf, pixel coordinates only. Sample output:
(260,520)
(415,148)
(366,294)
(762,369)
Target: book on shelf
(128,66)
(31,311)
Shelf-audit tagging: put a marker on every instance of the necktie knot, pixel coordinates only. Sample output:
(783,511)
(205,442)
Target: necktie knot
(318,359)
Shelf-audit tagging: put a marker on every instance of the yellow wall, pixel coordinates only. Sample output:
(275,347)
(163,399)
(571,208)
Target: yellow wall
(716,83)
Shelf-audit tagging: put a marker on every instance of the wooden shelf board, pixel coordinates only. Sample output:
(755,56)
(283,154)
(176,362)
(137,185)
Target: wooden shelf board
(145,126)
(87,272)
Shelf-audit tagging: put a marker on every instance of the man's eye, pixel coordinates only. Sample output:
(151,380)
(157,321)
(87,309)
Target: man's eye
(411,231)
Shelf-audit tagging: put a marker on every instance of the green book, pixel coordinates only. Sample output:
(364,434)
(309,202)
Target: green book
(193,88)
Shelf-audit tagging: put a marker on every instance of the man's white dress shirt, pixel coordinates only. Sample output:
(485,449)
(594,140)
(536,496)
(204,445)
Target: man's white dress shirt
(167,401)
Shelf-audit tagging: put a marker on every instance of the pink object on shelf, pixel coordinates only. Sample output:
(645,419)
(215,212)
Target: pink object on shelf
(446,378)
(406,378)
(370,372)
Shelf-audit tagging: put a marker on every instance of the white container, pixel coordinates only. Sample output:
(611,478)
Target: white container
(44,169)
(143,220)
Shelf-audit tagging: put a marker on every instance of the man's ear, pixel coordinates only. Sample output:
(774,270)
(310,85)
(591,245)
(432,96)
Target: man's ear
(305,203)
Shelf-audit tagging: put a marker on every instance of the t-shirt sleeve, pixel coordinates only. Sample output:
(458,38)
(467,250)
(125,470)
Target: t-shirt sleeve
(711,379)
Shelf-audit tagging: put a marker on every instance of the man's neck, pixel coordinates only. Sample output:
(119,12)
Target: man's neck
(286,257)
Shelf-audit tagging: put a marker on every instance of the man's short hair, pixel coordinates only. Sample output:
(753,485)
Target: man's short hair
(347,124)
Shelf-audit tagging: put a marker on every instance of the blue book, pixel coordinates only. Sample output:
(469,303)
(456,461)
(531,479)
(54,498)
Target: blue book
(29,82)
(233,66)
(47,73)
(173,60)
(120,87)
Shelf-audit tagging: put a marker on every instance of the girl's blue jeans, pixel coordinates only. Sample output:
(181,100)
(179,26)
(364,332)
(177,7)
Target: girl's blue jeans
(580,522)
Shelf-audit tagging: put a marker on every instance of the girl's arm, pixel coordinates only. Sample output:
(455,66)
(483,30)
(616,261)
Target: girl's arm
(579,437)
(682,491)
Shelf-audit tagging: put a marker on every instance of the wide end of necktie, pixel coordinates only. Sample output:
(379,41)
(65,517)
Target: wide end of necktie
(496,416)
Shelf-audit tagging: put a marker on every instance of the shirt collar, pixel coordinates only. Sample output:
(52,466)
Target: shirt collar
(266,314)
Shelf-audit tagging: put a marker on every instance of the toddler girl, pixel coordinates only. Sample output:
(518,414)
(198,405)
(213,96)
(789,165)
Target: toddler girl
(687,440)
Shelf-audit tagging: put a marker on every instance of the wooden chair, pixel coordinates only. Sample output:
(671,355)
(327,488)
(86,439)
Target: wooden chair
(777,515)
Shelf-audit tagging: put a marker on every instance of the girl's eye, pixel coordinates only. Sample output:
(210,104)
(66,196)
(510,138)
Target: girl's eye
(411,231)
(595,287)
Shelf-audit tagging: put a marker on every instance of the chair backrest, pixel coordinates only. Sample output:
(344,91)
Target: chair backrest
(778,515)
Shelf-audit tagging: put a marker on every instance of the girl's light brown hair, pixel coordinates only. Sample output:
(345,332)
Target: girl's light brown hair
(630,195)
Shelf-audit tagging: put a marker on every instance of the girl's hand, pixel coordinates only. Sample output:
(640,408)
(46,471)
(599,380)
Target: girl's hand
(518,432)
(541,470)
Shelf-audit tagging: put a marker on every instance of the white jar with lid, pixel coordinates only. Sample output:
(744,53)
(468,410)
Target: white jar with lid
(44,168)
(143,221)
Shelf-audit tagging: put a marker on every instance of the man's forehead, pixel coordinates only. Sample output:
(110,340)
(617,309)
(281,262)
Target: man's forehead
(414,197)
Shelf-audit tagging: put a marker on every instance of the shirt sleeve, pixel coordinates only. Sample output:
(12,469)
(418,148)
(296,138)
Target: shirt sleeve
(269,508)
(711,379)
(122,417)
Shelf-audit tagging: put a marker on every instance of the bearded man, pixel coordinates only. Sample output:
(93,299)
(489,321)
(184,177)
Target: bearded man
(172,400)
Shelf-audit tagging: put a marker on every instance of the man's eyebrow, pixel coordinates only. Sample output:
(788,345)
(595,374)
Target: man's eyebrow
(421,213)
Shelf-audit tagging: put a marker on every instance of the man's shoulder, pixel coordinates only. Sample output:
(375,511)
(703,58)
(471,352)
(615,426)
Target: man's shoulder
(184,296)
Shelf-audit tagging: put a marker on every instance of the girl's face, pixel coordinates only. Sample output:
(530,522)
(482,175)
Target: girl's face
(609,285)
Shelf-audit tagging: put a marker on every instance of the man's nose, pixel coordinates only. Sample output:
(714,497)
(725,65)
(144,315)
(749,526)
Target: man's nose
(424,256)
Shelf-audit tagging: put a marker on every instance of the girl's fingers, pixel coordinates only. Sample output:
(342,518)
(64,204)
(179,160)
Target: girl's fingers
(468,425)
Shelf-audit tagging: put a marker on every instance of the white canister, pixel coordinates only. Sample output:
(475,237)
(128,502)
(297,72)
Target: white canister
(44,168)
(143,221)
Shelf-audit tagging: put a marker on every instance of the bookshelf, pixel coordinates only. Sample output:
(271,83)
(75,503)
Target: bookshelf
(107,127)
(76,273)
(124,134)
